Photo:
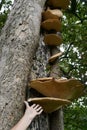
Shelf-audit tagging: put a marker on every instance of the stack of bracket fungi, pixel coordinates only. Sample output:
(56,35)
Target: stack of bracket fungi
(52,24)
(56,92)
(59,92)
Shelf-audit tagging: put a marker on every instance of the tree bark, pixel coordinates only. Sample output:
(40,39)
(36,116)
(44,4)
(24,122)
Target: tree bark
(18,43)
(38,70)
(56,120)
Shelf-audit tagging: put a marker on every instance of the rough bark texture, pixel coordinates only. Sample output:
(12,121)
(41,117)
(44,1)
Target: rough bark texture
(18,43)
(39,69)
(56,120)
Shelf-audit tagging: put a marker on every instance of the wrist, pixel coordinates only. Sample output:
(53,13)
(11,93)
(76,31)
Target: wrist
(27,117)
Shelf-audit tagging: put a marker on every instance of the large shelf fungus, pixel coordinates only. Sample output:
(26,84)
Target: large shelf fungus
(52,39)
(49,104)
(51,24)
(52,14)
(66,89)
(61,4)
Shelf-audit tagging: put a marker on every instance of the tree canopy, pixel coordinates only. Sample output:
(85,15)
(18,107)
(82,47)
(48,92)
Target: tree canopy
(73,62)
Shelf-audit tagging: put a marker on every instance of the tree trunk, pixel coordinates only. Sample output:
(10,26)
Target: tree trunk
(18,43)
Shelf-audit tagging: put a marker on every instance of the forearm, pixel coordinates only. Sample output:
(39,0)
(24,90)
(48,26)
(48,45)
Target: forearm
(23,123)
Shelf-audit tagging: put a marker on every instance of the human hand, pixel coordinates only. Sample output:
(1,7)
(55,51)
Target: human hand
(32,111)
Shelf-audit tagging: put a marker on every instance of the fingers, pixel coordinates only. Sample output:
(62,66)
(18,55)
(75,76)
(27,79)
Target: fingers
(35,107)
(38,113)
(38,108)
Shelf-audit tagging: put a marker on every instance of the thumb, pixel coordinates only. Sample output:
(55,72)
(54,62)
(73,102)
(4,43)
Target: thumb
(26,103)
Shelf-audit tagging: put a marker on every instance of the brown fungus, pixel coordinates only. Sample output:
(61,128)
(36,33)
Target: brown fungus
(61,4)
(51,24)
(52,39)
(49,104)
(52,14)
(58,88)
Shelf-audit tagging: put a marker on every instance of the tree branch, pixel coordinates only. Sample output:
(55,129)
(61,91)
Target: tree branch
(65,56)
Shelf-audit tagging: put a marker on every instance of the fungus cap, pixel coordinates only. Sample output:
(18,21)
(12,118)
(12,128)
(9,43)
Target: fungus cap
(52,39)
(49,104)
(61,4)
(65,89)
(54,57)
(51,24)
(52,14)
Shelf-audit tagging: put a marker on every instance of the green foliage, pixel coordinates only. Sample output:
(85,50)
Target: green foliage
(5,6)
(75,116)
(73,63)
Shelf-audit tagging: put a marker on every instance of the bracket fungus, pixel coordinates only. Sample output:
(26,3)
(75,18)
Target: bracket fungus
(61,4)
(52,39)
(54,57)
(52,14)
(49,104)
(58,88)
(51,24)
